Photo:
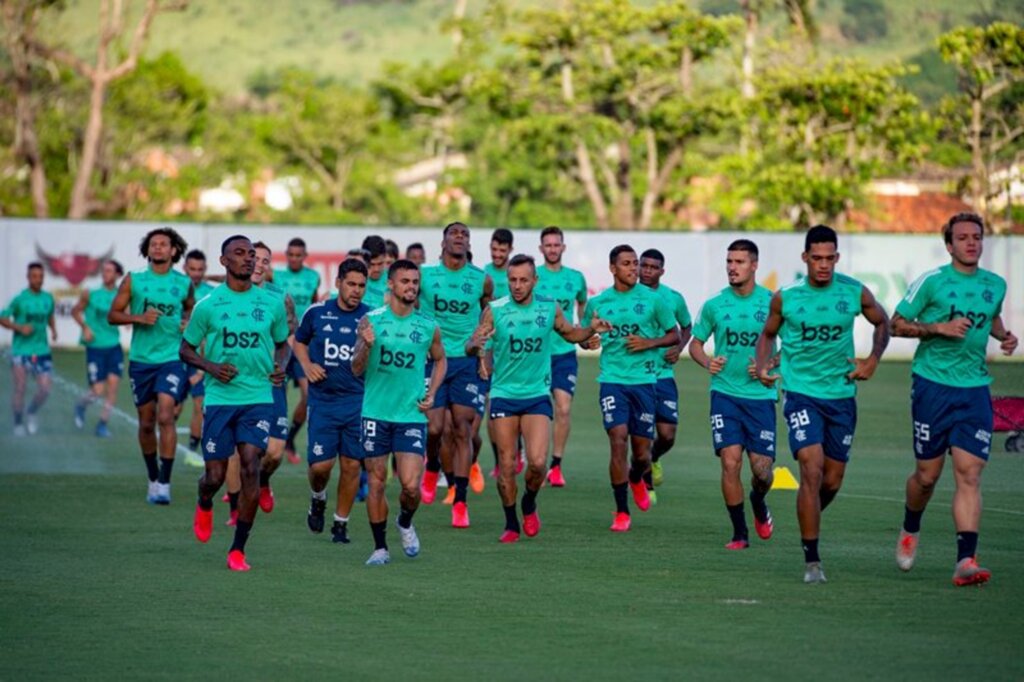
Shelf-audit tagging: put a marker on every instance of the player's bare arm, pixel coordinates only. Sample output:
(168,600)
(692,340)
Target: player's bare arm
(1007,340)
(364,342)
(78,315)
(637,344)
(672,354)
(766,342)
(437,372)
(314,372)
(873,311)
(576,334)
(282,354)
(484,331)
(53,326)
(120,305)
(289,309)
(488,291)
(911,329)
(21,329)
(713,365)
(223,372)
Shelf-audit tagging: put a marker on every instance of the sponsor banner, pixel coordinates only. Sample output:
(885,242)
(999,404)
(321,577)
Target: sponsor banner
(695,262)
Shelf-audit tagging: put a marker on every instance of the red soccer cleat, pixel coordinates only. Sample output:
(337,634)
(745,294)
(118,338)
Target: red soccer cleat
(460,515)
(428,487)
(555,477)
(449,497)
(968,572)
(202,524)
(521,463)
(764,530)
(476,478)
(236,561)
(738,544)
(509,536)
(293,457)
(226,498)
(531,524)
(495,472)
(621,522)
(233,519)
(266,499)
(640,496)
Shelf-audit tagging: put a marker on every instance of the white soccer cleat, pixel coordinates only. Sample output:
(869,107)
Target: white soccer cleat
(379,558)
(906,550)
(163,493)
(410,541)
(814,573)
(153,492)
(32,423)
(193,459)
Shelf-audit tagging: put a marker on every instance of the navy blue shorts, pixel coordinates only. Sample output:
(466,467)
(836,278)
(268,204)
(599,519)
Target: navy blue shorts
(946,416)
(743,421)
(564,368)
(294,369)
(820,421)
(381,438)
(197,389)
(101,363)
(225,427)
(149,380)
(335,429)
(666,409)
(513,407)
(632,405)
(36,365)
(462,385)
(279,425)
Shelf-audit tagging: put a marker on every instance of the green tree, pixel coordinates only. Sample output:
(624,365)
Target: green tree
(988,114)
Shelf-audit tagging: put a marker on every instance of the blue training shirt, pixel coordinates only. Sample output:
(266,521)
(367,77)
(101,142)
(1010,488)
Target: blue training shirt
(330,334)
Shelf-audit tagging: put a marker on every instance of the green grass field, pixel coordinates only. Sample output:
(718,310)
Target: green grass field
(94,583)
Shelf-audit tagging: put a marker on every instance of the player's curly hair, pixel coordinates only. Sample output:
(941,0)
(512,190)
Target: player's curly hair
(178,244)
(947,229)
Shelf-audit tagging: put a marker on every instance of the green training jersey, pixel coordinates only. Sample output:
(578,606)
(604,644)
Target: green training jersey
(301,286)
(817,337)
(452,298)
(158,343)
(639,312)
(500,279)
(104,334)
(376,289)
(397,362)
(201,290)
(677,304)
(945,294)
(567,287)
(29,307)
(522,348)
(736,322)
(241,328)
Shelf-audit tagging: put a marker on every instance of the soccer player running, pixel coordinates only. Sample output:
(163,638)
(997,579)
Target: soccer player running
(157,302)
(302,284)
(104,357)
(28,315)
(391,353)
(377,284)
(497,270)
(324,344)
(195,268)
(742,410)
(520,328)
(246,333)
(666,412)
(640,323)
(814,317)
(953,310)
(568,288)
(453,292)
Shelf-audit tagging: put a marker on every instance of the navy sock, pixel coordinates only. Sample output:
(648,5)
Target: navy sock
(758,506)
(205,503)
(966,545)
(264,479)
(529,501)
(405,517)
(166,465)
(19,418)
(912,520)
(449,477)
(193,442)
(233,501)
(293,431)
(511,520)
(619,490)
(242,529)
(635,475)
(739,521)
(433,465)
(379,530)
(151,467)
(810,550)
(494,449)
(649,479)
(658,449)
(826,497)
(461,482)
(556,462)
